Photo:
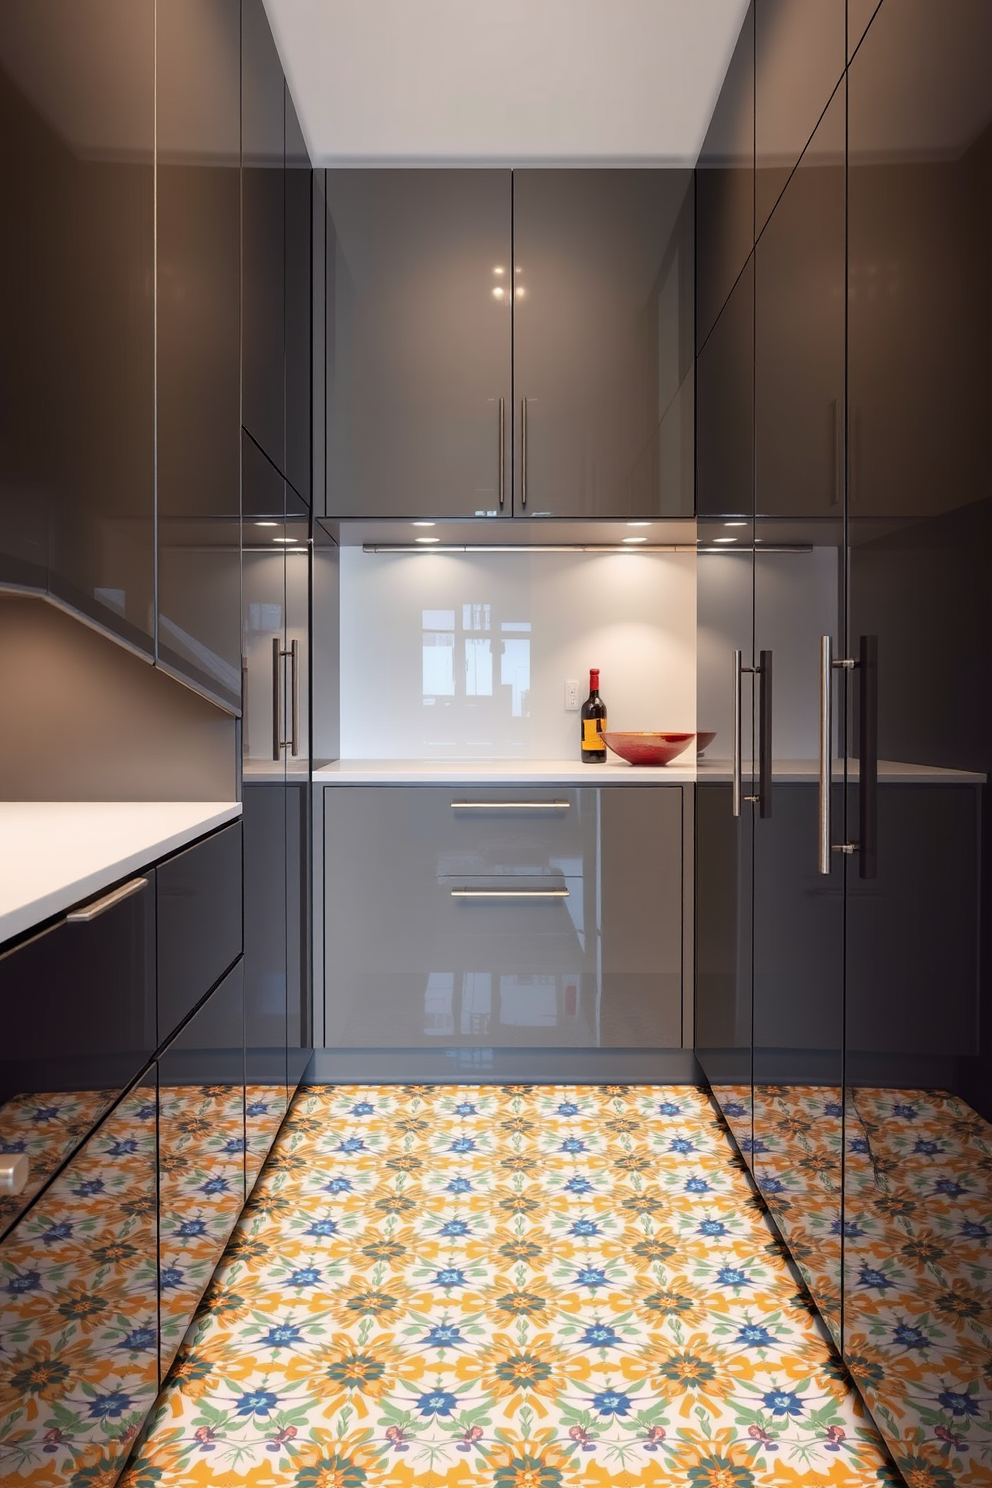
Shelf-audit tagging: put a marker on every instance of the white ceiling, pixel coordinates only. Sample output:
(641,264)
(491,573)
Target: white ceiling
(505,82)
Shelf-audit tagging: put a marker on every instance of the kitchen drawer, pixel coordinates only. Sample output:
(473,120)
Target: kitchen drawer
(451,831)
(77,1009)
(199,922)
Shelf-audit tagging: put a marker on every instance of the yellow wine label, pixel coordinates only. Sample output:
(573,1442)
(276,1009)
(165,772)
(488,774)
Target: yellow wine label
(591,730)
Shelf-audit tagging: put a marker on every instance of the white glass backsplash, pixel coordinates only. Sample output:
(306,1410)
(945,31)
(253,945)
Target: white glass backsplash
(466,655)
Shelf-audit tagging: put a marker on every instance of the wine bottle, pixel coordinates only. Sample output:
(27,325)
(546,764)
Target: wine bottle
(593,723)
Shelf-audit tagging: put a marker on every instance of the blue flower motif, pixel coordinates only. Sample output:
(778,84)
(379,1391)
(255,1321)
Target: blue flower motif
(858,1144)
(869,1277)
(323,1227)
(233,1145)
(713,1227)
(351,1144)
(578,1184)
(28,1281)
(669,1108)
(591,1276)
(257,1108)
(257,1403)
(18,1144)
(362,1108)
(681,1144)
(833,1108)
(216,1185)
(450,1276)
(437,1403)
(338,1185)
(573,1144)
(109,1407)
(783,1403)
(61,1231)
(284,1335)
(462,1144)
(147,1113)
(453,1228)
(958,1404)
(568,1108)
(734,1108)
(584,1227)
(754,1144)
(48,1113)
(732,1276)
(459,1185)
(191,1227)
(123,1148)
(601,1335)
(910,1337)
(140,1339)
(697,1185)
(306,1276)
(170,1276)
(950,1188)
(443,1335)
(975,1231)
(89,1187)
(612,1403)
(910,1113)
(753,1335)
(848,1227)
(928,1149)
(465,1109)
(772,1185)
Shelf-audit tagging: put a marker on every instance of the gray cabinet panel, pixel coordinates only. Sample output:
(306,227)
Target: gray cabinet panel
(485,934)
(199,923)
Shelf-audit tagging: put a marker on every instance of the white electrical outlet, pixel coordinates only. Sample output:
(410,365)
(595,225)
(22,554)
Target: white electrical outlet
(573,697)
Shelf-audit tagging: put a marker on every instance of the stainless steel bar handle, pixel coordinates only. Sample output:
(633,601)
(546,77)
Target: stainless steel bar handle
(826,745)
(276,699)
(510,805)
(737,783)
(100,906)
(502,452)
(14,1173)
(294,661)
(561,893)
(523,454)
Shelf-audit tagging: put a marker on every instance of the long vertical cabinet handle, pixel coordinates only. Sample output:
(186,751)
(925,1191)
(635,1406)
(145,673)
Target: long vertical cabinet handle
(276,698)
(765,735)
(826,740)
(294,661)
(868,752)
(738,766)
(502,452)
(523,454)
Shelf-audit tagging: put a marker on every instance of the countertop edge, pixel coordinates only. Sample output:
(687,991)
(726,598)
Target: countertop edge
(23,917)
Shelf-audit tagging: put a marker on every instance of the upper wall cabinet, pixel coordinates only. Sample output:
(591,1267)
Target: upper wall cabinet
(725,187)
(299,308)
(263,142)
(419,264)
(198,338)
(602,343)
(76,290)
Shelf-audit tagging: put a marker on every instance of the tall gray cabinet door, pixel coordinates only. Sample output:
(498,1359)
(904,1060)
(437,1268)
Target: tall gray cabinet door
(602,343)
(418,375)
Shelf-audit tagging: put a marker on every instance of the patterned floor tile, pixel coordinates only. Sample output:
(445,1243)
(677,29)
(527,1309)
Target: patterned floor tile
(510,1285)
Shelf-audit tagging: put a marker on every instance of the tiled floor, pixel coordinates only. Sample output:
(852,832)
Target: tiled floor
(523,1286)
(916,1253)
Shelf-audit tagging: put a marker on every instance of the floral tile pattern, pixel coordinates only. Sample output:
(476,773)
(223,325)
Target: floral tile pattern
(910,1231)
(45,1127)
(526,1286)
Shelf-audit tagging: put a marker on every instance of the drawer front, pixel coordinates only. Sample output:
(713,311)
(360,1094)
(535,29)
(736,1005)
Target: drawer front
(199,922)
(77,1008)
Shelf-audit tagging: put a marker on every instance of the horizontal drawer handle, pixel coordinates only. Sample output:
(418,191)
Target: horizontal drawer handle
(561,893)
(14,1173)
(100,906)
(510,805)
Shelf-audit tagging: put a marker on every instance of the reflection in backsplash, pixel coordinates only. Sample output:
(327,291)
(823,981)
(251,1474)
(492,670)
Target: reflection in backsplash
(463,656)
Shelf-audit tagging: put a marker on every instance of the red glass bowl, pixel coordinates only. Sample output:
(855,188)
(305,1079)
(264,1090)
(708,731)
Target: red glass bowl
(648,748)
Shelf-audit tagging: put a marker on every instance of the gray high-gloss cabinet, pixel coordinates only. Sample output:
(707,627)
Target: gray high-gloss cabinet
(503,918)
(509,343)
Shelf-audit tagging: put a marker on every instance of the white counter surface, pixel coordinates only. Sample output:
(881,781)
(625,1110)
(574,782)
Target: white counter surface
(615,772)
(55,853)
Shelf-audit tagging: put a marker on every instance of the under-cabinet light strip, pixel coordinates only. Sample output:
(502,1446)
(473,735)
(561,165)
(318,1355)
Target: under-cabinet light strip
(581,548)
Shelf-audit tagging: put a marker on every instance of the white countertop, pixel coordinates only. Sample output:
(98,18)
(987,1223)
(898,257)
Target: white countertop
(683,771)
(55,853)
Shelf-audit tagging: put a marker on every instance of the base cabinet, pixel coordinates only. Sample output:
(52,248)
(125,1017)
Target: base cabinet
(503,919)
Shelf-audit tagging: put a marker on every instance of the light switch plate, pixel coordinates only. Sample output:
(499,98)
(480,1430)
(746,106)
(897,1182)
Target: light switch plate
(573,697)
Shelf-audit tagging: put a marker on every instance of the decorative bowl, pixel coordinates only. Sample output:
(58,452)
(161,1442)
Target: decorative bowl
(648,748)
(703,741)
